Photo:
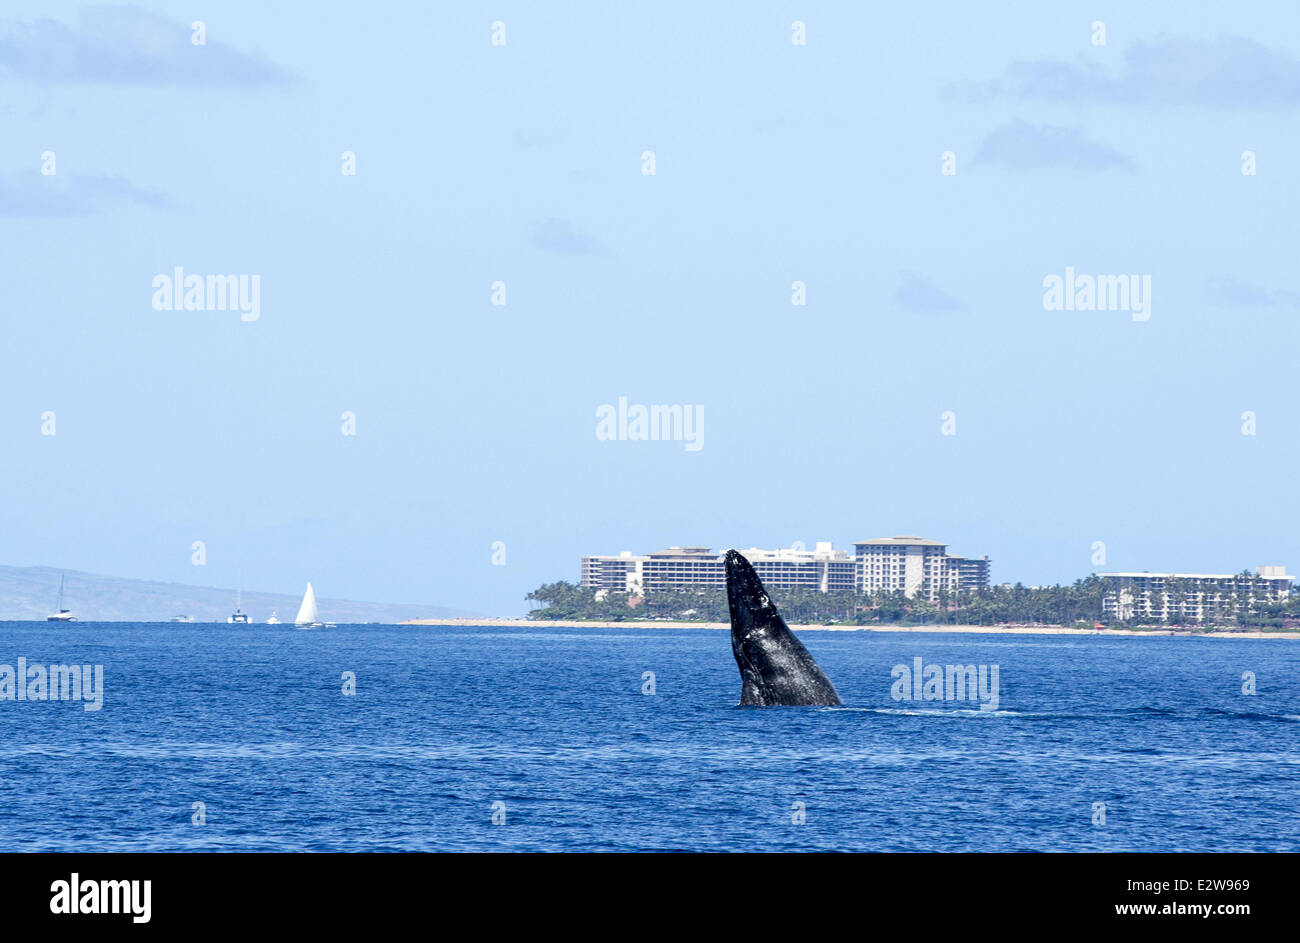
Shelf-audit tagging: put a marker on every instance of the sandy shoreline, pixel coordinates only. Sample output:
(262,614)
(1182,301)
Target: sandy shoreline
(957,629)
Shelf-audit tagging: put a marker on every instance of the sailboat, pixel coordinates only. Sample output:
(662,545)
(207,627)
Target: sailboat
(61,614)
(239,616)
(307,617)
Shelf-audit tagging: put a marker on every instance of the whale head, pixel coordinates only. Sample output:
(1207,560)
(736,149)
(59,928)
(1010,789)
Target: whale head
(775,668)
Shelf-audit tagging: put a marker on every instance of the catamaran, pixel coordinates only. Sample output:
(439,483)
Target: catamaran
(61,614)
(239,616)
(308,617)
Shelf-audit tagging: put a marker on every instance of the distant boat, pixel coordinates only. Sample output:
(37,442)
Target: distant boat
(274,620)
(308,617)
(240,616)
(61,614)
(181,619)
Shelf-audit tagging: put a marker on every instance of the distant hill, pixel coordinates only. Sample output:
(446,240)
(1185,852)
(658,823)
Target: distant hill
(30,592)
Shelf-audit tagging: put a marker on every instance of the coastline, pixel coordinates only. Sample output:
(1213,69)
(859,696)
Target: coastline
(954,629)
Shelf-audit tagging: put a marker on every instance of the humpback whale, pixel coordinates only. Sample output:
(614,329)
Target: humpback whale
(775,668)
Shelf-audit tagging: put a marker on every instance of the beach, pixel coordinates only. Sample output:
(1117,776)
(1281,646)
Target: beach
(957,629)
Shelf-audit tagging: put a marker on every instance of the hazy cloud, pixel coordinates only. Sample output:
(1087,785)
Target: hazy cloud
(125,45)
(558,235)
(32,194)
(1226,72)
(919,295)
(1227,290)
(1023,146)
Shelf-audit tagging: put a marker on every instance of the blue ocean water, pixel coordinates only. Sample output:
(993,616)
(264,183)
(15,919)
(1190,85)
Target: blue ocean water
(253,722)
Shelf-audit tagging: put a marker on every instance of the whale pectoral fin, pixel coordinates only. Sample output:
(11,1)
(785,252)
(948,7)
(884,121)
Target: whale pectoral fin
(750,694)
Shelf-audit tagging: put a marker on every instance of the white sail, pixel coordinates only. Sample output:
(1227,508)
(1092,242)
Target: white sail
(307,611)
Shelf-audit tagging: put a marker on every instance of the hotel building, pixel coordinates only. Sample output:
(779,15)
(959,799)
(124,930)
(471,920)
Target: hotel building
(1187,597)
(907,564)
(915,566)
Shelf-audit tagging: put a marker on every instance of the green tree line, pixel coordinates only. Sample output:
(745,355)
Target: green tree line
(1078,604)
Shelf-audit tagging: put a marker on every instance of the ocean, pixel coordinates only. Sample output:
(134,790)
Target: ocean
(225,738)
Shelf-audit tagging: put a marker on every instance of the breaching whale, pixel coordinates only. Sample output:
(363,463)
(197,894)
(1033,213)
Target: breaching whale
(775,668)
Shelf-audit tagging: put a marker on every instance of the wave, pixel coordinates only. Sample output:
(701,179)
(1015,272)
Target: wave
(923,712)
(1252,715)
(1062,715)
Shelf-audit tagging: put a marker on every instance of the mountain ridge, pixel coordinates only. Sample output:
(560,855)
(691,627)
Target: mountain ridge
(30,592)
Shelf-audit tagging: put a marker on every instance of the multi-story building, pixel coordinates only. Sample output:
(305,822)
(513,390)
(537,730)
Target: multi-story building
(679,567)
(1191,597)
(622,573)
(972,572)
(924,568)
(823,568)
(890,565)
(915,566)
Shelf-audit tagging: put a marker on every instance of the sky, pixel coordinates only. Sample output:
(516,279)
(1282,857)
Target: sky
(921,388)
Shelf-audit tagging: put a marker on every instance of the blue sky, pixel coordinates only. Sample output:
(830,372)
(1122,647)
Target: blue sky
(522,163)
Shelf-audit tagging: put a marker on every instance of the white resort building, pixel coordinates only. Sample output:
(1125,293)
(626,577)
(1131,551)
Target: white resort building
(1191,597)
(907,564)
(916,567)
